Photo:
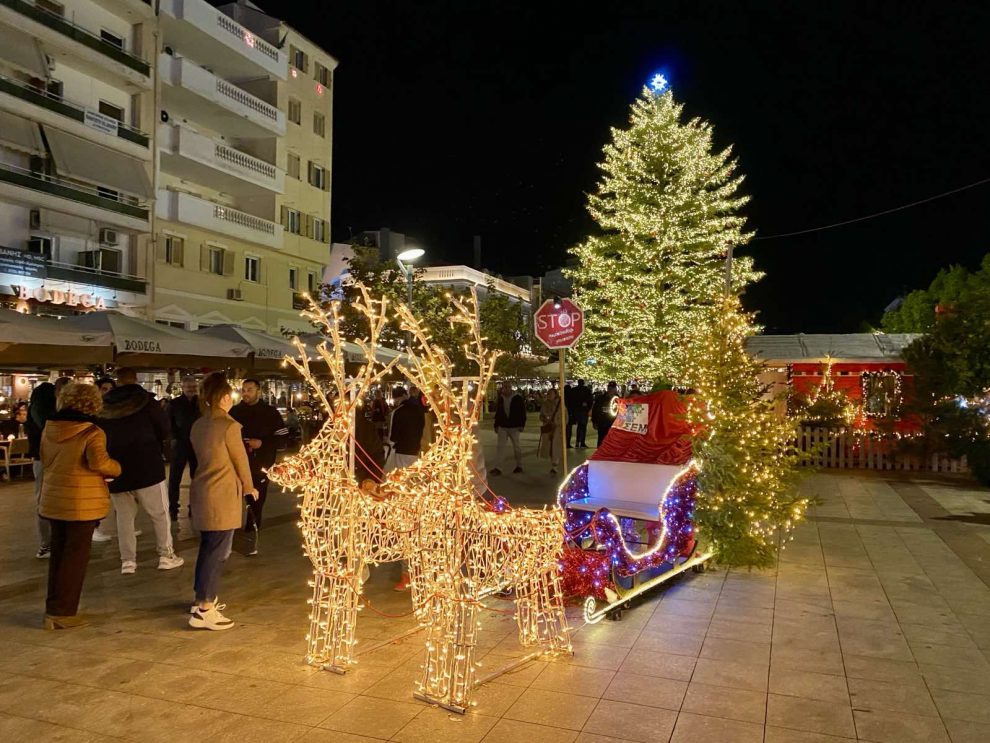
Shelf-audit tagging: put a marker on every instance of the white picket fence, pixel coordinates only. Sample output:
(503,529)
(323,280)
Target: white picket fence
(848,451)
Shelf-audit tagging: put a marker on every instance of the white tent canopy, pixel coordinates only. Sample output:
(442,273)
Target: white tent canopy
(152,342)
(263,346)
(41,341)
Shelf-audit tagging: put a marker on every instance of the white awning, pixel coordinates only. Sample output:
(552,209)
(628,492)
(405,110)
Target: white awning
(77,158)
(37,341)
(20,134)
(132,335)
(263,346)
(22,50)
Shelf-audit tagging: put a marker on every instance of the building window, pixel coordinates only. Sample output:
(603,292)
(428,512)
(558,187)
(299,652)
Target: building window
(320,230)
(318,176)
(322,74)
(298,59)
(51,7)
(291,220)
(111,38)
(252,269)
(293,278)
(114,112)
(174,248)
(295,111)
(216,261)
(319,124)
(311,282)
(292,166)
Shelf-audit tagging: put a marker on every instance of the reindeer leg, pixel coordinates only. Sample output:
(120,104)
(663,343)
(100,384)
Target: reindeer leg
(540,613)
(448,674)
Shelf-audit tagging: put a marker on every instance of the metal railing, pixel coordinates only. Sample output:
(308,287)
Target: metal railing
(99,197)
(234,28)
(244,161)
(58,270)
(78,33)
(64,106)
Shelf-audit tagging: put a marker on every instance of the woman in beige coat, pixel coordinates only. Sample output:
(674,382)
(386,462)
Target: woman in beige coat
(550,436)
(74,496)
(216,495)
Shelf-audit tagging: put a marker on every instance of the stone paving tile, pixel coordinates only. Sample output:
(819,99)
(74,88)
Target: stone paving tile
(809,685)
(961,731)
(516,731)
(650,691)
(869,695)
(830,718)
(552,708)
(665,665)
(961,706)
(440,726)
(590,682)
(378,718)
(898,727)
(633,722)
(786,735)
(720,701)
(691,728)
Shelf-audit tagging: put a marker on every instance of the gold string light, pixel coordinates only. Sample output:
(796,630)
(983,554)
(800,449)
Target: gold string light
(459,548)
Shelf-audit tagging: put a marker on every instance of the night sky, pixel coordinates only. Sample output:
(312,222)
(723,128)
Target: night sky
(465,117)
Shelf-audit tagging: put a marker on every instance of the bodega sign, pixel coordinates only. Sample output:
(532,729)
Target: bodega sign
(57,296)
(559,323)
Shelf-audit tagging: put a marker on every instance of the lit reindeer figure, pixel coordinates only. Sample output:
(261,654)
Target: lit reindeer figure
(464,549)
(339,521)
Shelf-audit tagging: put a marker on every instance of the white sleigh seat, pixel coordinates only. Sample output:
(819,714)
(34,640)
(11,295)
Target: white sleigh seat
(627,489)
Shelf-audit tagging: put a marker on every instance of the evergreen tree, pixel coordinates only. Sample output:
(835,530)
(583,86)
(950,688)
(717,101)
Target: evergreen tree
(668,209)
(748,496)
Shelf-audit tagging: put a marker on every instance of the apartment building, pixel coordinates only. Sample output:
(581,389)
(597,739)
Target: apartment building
(76,154)
(243,202)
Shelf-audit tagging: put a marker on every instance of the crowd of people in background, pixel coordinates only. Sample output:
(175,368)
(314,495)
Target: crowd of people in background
(99,453)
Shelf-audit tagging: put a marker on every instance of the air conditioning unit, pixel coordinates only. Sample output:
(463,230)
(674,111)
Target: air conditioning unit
(108,236)
(40,246)
(35,219)
(235,294)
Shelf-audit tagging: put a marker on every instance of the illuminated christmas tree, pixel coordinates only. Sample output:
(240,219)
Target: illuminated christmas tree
(747,486)
(668,209)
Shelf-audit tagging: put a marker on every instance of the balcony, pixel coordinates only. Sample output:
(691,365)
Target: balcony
(196,29)
(196,93)
(199,159)
(48,192)
(21,264)
(58,34)
(14,93)
(224,220)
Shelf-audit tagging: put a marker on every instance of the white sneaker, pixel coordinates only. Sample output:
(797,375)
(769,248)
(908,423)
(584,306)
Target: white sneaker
(99,536)
(195,606)
(170,562)
(210,619)
(128,567)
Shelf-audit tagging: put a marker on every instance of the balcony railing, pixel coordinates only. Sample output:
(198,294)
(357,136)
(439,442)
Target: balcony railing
(74,111)
(94,276)
(242,219)
(233,27)
(77,33)
(100,198)
(242,160)
(246,99)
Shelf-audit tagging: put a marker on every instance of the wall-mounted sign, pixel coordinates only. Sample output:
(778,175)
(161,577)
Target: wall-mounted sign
(18,263)
(57,296)
(101,122)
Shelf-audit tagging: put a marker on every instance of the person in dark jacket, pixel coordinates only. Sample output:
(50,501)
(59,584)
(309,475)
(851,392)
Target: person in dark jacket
(137,431)
(602,414)
(580,407)
(369,455)
(264,433)
(41,407)
(510,419)
(182,413)
(406,428)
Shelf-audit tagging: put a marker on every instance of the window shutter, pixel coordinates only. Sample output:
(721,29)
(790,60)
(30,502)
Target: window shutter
(204,257)
(310,168)
(178,253)
(309,225)
(326,232)
(160,248)
(285,217)
(228,262)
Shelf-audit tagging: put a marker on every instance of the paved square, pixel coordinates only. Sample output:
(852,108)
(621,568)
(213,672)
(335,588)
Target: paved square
(874,626)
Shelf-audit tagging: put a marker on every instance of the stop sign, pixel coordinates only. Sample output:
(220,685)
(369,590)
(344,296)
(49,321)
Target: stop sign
(559,323)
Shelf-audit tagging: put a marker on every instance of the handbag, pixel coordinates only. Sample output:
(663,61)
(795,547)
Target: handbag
(549,427)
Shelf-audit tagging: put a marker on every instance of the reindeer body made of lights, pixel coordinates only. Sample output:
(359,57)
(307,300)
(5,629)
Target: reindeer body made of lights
(459,548)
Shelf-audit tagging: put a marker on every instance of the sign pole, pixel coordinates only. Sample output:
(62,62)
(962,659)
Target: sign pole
(561,355)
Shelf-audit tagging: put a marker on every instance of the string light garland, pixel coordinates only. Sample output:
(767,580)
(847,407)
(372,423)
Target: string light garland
(459,548)
(889,382)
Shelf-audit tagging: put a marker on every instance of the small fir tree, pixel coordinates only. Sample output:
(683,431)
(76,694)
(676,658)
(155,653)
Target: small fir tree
(668,207)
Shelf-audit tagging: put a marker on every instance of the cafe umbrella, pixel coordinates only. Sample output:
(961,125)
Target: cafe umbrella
(32,341)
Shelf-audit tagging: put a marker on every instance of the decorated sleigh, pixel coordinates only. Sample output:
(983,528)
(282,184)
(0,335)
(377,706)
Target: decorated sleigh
(630,508)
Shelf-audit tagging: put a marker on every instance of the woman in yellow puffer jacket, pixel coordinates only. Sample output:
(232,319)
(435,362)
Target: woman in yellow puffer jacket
(74,496)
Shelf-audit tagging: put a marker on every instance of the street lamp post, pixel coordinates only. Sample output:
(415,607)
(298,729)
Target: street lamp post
(405,260)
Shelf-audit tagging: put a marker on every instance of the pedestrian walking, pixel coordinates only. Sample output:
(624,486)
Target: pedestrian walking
(264,433)
(405,434)
(582,402)
(137,431)
(222,481)
(182,413)
(602,414)
(510,419)
(550,444)
(41,407)
(74,496)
